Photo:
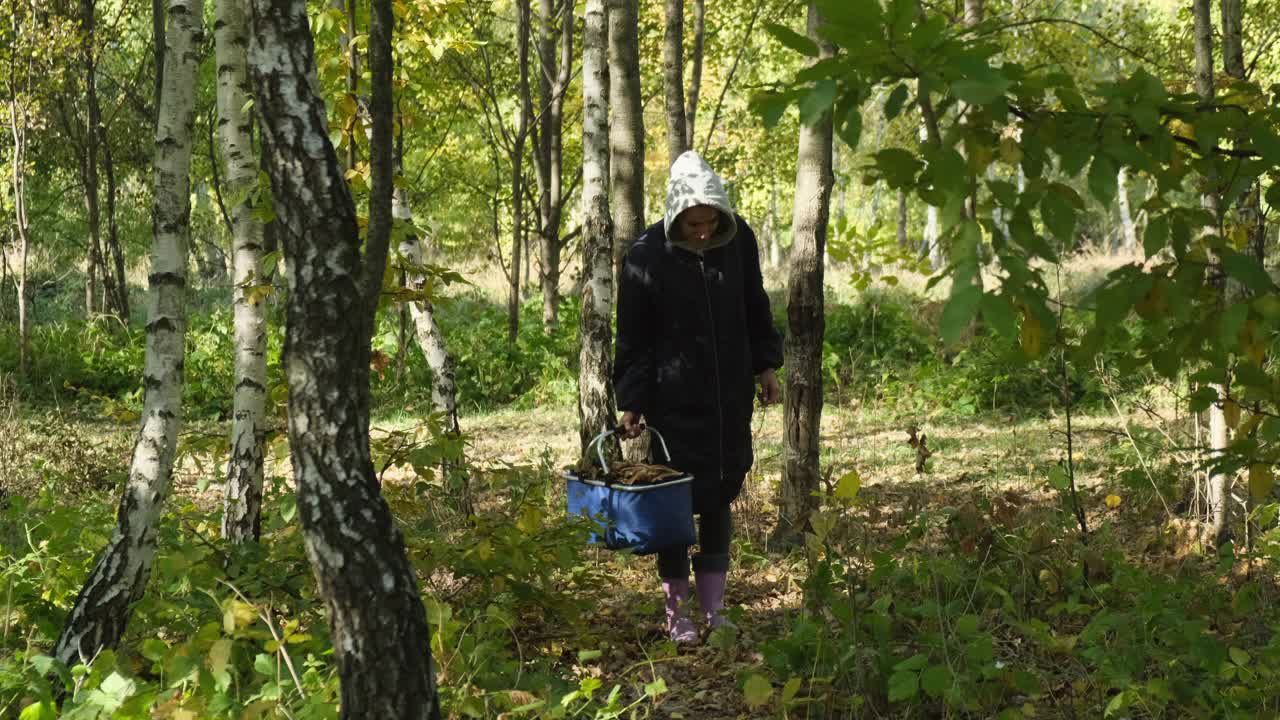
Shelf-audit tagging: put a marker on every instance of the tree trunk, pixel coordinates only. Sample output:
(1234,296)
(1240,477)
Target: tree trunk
(1128,231)
(18,166)
(444,384)
(89,167)
(1219,484)
(242,501)
(517,172)
(553,86)
(381,154)
(673,79)
(353,78)
(596,406)
(380,634)
(1233,38)
(1249,208)
(157,46)
(626,128)
(802,398)
(695,82)
(118,287)
(102,609)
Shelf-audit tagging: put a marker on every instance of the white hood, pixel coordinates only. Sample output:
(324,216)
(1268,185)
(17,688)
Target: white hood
(693,182)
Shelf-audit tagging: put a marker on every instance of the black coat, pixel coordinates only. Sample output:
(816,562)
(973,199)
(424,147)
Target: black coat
(693,332)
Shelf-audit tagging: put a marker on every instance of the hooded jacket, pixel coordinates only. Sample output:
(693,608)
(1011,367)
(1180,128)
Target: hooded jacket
(694,329)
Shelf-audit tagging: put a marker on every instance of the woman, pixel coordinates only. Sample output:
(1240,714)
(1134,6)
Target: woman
(694,337)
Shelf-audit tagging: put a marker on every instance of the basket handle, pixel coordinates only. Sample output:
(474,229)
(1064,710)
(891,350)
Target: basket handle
(604,465)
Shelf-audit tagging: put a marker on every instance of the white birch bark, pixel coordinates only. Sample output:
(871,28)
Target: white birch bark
(444,383)
(596,405)
(242,501)
(101,611)
(381,640)
(1128,231)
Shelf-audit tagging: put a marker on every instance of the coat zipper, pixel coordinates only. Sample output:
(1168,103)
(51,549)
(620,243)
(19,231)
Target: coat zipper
(715,357)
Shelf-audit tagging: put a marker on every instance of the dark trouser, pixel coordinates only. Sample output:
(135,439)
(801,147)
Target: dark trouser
(714,529)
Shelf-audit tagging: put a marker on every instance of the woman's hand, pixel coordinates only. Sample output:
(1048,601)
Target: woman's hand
(631,425)
(770,388)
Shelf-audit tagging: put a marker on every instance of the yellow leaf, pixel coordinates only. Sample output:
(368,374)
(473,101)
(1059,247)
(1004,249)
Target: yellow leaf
(1261,480)
(484,549)
(530,520)
(1231,413)
(1113,501)
(1250,425)
(236,614)
(1239,236)
(757,691)
(1010,151)
(848,486)
(1030,336)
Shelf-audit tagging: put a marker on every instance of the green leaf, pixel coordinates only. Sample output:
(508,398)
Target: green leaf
(1058,216)
(771,106)
(1155,236)
(999,314)
(790,689)
(898,166)
(585,656)
(851,129)
(935,680)
(1248,271)
(1103,180)
(655,688)
(1058,478)
(757,690)
(893,106)
(43,710)
(977,92)
(1239,656)
(915,662)
(815,106)
(792,39)
(959,312)
(903,686)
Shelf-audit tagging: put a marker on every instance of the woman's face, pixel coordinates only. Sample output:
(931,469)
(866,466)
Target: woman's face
(698,225)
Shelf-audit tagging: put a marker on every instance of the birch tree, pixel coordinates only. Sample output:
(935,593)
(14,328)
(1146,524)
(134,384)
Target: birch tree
(1219,484)
(380,635)
(626,126)
(101,611)
(596,405)
(242,502)
(802,396)
(695,82)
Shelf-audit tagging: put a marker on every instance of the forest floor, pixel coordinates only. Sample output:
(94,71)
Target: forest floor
(999,458)
(986,473)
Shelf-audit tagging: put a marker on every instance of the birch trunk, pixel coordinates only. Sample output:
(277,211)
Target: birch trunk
(1128,231)
(673,79)
(596,406)
(18,166)
(1249,208)
(102,609)
(695,82)
(802,397)
(1219,485)
(242,501)
(444,383)
(380,635)
(626,128)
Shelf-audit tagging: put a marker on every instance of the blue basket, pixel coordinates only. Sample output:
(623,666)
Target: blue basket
(641,518)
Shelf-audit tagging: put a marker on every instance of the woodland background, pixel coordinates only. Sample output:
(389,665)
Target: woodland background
(1022,252)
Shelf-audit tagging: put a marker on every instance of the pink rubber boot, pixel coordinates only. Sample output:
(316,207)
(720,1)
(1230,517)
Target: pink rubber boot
(710,587)
(679,627)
